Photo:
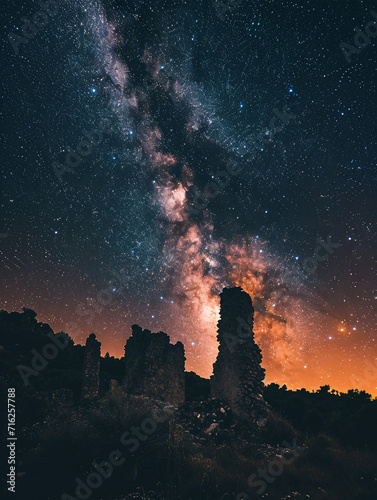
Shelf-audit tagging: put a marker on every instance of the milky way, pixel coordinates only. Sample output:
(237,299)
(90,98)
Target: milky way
(226,155)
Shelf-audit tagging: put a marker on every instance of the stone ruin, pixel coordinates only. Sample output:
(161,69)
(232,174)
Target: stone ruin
(237,373)
(154,367)
(92,360)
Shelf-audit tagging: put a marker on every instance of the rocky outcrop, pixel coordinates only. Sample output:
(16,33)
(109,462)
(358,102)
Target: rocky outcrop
(154,367)
(237,373)
(90,381)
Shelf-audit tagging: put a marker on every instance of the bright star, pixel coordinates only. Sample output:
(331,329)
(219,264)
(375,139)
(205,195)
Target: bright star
(94,90)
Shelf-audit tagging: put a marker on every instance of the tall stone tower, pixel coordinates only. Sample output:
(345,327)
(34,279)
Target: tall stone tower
(154,367)
(237,373)
(90,379)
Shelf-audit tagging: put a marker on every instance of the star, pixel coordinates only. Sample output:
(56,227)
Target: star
(177,115)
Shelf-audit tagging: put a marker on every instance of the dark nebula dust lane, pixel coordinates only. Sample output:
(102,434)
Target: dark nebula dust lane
(156,152)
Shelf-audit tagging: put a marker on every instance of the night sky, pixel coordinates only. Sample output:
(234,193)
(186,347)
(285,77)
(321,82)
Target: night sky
(163,99)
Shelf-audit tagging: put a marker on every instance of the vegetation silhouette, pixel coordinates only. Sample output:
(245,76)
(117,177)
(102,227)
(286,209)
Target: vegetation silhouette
(60,436)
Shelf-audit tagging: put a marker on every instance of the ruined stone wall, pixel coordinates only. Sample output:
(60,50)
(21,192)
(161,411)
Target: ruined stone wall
(237,373)
(154,367)
(92,360)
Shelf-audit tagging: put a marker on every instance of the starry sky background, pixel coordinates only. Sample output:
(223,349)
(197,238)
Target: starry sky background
(185,87)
